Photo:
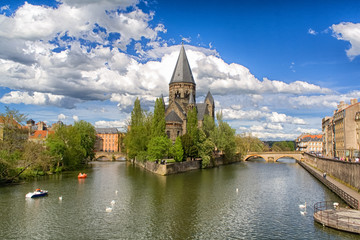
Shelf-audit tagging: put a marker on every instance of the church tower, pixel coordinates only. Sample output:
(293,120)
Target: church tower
(182,87)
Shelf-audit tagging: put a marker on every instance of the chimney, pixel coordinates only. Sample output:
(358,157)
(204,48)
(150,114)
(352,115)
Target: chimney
(353,101)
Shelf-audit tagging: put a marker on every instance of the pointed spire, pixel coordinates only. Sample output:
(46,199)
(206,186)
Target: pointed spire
(182,71)
(210,97)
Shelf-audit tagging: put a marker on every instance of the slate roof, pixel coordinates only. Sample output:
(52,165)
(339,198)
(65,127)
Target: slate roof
(210,97)
(106,130)
(182,72)
(201,110)
(191,100)
(173,117)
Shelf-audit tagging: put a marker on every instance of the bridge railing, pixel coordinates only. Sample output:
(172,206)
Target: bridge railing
(350,200)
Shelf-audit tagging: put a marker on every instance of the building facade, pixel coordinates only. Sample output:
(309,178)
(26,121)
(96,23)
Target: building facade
(328,136)
(309,143)
(182,98)
(107,140)
(345,125)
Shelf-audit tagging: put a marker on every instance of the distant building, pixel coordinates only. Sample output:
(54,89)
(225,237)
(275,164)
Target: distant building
(40,136)
(108,140)
(182,98)
(328,137)
(309,143)
(345,125)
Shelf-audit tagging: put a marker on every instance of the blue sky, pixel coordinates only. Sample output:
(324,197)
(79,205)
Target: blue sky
(275,68)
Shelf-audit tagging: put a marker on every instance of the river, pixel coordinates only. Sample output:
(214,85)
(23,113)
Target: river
(249,200)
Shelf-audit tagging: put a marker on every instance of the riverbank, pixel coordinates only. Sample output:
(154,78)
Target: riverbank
(181,167)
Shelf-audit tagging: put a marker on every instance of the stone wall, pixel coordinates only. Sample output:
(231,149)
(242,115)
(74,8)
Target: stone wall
(348,172)
(179,167)
(170,168)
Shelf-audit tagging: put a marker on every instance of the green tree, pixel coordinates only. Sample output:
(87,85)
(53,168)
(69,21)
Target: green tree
(248,143)
(206,148)
(208,125)
(72,146)
(224,137)
(177,150)
(136,139)
(192,124)
(158,120)
(87,138)
(12,141)
(158,148)
(283,146)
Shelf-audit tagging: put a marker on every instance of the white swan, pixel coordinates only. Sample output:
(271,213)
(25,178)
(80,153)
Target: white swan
(303,213)
(108,209)
(237,190)
(116,192)
(113,202)
(302,206)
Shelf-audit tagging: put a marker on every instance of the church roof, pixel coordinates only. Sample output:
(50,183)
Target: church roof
(191,100)
(210,97)
(201,110)
(182,72)
(173,117)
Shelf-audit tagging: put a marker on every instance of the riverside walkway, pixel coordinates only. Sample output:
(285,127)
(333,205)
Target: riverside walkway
(330,214)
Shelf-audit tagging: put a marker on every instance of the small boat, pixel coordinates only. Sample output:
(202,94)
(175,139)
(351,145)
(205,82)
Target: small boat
(82,175)
(38,193)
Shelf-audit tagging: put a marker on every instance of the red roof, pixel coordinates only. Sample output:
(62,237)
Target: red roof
(41,134)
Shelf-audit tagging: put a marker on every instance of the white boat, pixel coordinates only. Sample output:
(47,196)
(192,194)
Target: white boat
(37,193)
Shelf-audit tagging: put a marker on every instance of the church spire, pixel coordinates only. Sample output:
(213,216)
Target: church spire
(182,72)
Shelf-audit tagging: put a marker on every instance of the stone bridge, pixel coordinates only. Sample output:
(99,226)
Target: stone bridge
(110,156)
(274,156)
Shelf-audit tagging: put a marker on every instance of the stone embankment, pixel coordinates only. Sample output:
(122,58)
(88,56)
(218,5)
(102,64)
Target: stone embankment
(180,167)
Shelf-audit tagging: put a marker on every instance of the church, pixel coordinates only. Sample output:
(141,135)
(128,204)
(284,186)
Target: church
(182,98)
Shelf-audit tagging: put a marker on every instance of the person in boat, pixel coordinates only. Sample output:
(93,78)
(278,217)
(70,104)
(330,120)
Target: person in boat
(38,190)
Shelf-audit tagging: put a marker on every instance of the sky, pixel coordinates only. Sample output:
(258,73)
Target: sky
(274,68)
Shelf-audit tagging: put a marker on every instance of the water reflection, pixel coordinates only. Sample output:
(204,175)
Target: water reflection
(202,204)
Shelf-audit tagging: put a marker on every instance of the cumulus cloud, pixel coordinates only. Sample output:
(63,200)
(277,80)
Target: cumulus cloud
(273,117)
(312,32)
(37,98)
(75,118)
(110,124)
(350,32)
(322,101)
(308,130)
(61,117)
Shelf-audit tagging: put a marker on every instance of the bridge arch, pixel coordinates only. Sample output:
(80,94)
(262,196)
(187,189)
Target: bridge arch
(286,156)
(254,155)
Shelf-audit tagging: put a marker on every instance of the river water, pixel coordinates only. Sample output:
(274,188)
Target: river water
(202,204)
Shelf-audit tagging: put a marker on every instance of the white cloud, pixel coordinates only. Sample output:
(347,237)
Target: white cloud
(37,98)
(75,118)
(350,32)
(308,130)
(61,117)
(322,101)
(273,117)
(110,124)
(274,136)
(312,32)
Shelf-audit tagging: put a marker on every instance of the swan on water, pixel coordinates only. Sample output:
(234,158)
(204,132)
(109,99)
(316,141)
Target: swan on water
(302,205)
(112,202)
(108,209)
(116,192)
(237,190)
(303,213)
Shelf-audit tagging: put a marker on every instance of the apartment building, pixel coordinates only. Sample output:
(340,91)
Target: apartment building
(107,140)
(309,143)
(344,129)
